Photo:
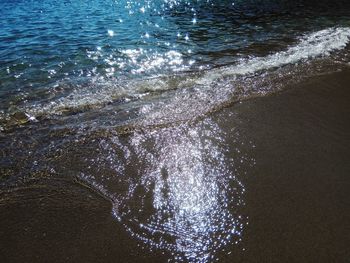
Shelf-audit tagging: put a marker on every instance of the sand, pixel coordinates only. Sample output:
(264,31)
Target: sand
(296,201)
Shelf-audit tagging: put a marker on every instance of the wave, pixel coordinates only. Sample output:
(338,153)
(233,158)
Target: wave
(185,174)
(319,43)
(179,97)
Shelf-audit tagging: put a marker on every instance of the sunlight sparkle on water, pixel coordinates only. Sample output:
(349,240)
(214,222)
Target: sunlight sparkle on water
(194,194)
(110,33)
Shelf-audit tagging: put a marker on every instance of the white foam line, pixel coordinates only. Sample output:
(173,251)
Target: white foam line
(316,44)
(310,46)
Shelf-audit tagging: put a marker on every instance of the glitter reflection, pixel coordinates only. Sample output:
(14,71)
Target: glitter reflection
(186,199)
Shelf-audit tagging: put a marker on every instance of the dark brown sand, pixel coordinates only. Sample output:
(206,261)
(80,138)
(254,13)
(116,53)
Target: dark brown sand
(297,194)
(298,198)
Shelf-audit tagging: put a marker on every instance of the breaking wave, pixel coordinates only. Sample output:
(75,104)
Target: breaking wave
(179,97)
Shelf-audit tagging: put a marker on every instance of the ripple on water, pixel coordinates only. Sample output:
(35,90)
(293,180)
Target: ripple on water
(174,189)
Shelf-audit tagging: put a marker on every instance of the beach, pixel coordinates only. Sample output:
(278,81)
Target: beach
(289,154)
(174,131)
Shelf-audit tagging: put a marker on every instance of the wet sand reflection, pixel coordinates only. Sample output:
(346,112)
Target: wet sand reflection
(185,198)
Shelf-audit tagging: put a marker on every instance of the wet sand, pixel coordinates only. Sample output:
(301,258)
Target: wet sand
(298,194)
(296,199)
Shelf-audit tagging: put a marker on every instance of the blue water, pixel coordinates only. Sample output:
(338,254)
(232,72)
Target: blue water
(117,94)
(45,41)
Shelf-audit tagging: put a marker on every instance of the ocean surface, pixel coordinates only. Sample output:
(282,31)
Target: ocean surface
(118,97)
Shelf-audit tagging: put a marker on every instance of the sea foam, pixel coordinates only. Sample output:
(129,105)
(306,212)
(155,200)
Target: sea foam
(319,43)
(102,91)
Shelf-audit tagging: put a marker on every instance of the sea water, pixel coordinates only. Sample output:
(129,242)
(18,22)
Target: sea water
(117,95)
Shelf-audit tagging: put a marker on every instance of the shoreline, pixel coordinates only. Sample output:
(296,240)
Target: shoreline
(296,191)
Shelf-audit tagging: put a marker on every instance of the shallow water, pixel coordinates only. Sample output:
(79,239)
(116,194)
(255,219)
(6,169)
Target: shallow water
(59,58)
(119,97)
